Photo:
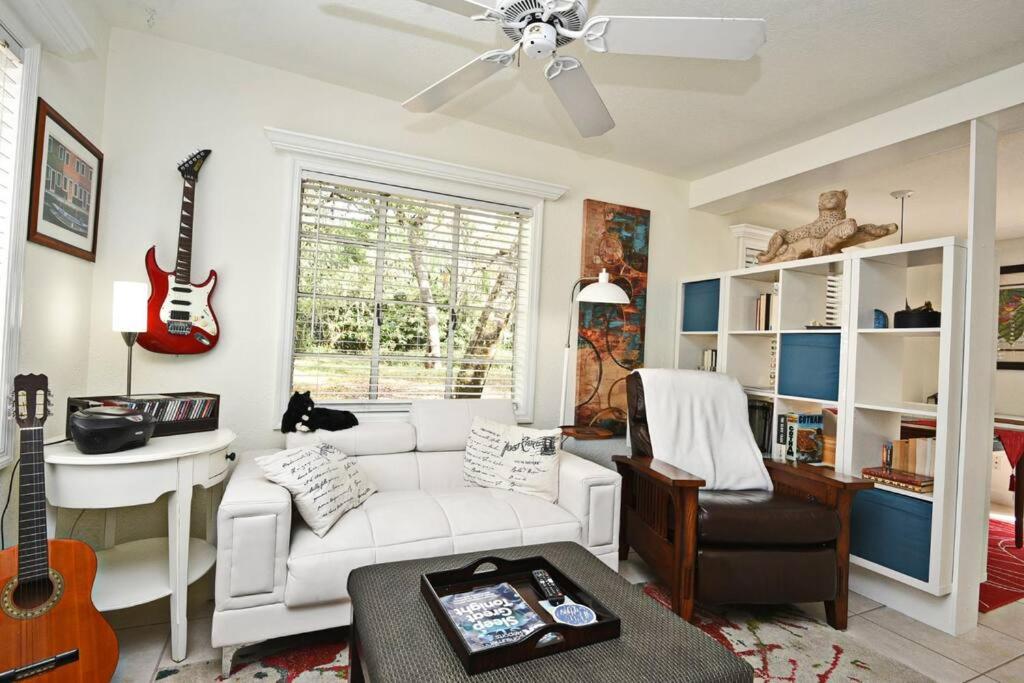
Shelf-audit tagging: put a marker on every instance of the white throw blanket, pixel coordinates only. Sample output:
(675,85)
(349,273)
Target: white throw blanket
(698,423)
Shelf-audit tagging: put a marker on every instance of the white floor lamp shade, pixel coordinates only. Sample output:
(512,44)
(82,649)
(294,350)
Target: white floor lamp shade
(603,291)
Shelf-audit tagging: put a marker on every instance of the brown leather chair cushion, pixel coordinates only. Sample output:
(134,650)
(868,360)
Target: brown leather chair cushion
(763,518)
(765,576)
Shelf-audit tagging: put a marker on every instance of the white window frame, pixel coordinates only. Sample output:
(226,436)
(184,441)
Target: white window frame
(11,322)
(363,166)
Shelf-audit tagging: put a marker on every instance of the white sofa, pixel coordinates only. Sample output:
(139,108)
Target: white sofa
(275,577)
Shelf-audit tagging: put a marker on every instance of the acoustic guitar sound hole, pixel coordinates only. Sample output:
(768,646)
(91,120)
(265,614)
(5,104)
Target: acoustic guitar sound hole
(31,599)
(32,594)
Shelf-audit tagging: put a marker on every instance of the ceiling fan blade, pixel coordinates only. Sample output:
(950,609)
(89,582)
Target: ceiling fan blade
(468,8)
(578,95)
(689,37)
(454,84)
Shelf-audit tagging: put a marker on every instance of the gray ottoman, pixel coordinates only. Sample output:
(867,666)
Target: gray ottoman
(395,637)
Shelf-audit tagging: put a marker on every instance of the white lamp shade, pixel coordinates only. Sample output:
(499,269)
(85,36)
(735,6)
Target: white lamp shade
(603,291)
(129,309)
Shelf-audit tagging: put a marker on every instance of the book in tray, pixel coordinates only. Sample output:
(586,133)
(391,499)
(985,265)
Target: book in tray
(491,616)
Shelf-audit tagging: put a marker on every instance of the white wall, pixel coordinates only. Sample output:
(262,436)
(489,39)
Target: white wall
(165,99)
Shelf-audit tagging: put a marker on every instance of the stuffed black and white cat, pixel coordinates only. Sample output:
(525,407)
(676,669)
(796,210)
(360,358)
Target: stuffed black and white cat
(302,415)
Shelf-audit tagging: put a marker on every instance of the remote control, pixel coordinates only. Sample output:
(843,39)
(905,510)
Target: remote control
(549,590)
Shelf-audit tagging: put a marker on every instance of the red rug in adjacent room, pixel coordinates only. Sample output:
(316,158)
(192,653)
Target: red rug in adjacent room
(1005,568)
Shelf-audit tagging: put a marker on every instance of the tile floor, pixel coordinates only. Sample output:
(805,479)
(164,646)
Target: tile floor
(992,652)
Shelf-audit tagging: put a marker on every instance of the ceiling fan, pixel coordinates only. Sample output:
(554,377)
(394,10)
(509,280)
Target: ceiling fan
(540,27)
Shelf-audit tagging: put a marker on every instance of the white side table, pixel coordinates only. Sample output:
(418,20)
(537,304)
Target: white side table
(138,572)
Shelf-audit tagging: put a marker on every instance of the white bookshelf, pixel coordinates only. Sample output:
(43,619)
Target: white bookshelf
(885,375)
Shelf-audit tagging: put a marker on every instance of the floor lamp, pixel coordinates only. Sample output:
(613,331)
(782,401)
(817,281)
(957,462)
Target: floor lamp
(600,291)
(129,316)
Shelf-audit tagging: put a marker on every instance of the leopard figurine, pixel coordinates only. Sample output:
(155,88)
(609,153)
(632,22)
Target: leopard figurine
(829,234)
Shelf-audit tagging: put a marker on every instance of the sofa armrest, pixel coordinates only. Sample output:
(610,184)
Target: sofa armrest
(592,494)
(254,530)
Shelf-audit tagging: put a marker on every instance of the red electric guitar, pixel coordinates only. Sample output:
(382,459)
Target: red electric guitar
(181,319)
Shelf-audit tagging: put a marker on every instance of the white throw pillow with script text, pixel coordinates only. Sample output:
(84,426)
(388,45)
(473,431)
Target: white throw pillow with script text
(512,458)
(323,481)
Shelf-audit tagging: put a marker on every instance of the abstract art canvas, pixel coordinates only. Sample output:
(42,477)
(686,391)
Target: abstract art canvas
(611,337)
(1010,350)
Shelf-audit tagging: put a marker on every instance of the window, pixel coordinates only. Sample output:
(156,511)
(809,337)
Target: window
(403,294)
(11,73)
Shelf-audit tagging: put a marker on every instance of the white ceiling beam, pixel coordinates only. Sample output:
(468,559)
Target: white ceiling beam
(928,126)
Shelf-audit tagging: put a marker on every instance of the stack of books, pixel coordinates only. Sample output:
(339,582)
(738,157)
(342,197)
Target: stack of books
(800,437)
(763,312)
(907,464)
(709,360)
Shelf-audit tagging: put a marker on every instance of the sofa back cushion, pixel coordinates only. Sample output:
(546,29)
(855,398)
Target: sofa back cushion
(368,438)
(444,425)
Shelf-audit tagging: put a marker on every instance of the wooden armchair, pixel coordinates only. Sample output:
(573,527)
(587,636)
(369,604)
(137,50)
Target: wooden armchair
(720,547)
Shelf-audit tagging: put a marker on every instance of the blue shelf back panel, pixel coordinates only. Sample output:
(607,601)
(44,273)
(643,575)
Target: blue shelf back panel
(892,530)
(700,306)
(809,366)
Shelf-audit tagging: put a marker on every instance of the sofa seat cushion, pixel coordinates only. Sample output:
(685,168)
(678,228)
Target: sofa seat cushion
(763,518)
(414,524)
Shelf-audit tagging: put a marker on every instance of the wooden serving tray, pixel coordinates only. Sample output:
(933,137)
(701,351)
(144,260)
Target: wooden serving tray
(517,573)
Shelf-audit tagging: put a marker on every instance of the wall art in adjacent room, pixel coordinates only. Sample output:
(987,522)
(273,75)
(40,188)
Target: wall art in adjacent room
(1010,349)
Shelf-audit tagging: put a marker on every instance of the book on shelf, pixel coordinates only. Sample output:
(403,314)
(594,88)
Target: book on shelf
(800,437)
(910,455)
(763,312)
(491,616)
(907,481)
(709,360)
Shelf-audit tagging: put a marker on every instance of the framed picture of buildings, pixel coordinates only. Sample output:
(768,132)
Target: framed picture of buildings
(1010,349)
(66,174)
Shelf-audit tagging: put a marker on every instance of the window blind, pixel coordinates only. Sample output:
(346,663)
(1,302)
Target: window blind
(403,294)
(10,106)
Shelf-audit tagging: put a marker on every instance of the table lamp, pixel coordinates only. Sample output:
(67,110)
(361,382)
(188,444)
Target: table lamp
(129,316)
(601,290)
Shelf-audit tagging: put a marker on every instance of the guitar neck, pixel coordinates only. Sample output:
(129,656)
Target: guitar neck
(183,265)
(33,552)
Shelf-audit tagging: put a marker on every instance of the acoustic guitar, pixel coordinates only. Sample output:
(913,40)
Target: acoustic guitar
(50,631)
(180,317)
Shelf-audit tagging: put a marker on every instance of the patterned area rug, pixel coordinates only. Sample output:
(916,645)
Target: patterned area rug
(308,658)
(785,644)
(1005,568)
(781,644)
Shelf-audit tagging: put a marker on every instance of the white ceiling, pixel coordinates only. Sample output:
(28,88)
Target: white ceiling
(939,204)
(827,63)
